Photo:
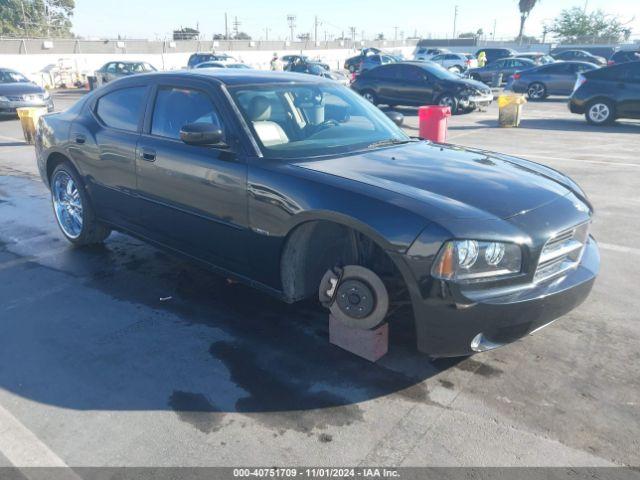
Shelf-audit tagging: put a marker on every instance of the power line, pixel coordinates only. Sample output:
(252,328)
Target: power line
(291,20)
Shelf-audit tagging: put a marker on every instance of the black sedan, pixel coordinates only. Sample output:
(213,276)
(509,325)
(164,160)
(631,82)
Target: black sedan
(18,91)
(420,83)
(299,187)
(609,93)
(504,66)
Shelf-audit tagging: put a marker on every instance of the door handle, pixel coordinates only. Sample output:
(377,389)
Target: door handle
(81,139)
(148,154)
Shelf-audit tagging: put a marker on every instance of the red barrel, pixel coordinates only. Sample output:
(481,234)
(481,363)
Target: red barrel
(433,121)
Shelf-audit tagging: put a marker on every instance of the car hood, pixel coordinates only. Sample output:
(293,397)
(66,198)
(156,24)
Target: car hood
(453,182)
(19,88)
(469,83)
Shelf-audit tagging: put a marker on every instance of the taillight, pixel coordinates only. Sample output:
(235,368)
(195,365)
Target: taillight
(468,61)
(516,76)
(581,80)
(611,62)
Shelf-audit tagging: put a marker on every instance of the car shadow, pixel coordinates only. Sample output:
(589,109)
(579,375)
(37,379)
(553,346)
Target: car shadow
(125,326)
(13,144)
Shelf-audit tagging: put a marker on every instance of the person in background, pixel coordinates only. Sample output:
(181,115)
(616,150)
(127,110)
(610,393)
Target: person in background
(482,59)
(276,64)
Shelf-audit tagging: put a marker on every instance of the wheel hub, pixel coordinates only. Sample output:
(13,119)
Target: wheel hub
(355,298)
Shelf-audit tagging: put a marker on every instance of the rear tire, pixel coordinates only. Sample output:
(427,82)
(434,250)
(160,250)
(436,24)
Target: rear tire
(370,96)
(536,91)
(455,69)
(600,112)
(72,208)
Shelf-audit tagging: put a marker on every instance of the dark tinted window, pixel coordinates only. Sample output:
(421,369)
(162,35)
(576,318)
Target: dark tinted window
(559,68)
(386,73)
(122,108)
(176,107)
(411,73)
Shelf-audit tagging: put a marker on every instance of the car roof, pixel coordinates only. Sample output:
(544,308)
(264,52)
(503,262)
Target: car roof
(235,76)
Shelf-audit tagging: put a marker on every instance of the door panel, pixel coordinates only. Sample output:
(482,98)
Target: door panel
(192,198)
(104,140)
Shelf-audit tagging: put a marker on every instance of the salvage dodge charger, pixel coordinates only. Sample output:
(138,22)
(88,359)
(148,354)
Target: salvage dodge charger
(296,185)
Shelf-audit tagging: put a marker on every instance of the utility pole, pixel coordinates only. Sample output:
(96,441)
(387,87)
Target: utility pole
(236,24)
(291,19)
(586,5)
(266,33)
(315,29)
(455,20)
(395,35)
(226,27)
(493,35)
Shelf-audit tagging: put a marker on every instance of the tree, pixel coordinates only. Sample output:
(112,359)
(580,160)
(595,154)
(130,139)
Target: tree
(525,7)
(304,37)
(36,18)
(467,35)
(380,36)
(574,25)
(186,33)
(242,36)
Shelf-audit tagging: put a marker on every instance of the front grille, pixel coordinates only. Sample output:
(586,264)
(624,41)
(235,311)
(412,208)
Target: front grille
(562,252)
(25,98)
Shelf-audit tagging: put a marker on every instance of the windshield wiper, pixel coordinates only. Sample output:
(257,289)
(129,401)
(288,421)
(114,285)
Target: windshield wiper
(388,142)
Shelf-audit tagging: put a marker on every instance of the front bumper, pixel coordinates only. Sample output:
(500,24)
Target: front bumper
(477,101)
(10,107)
(447,325)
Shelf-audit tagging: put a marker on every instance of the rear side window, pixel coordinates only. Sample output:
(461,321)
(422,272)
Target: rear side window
(386,73)
(122,108)
(176,107)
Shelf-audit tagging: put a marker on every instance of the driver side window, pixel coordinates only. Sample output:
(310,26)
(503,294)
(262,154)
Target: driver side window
(176,107)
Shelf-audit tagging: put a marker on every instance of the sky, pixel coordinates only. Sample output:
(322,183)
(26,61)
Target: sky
(155,19)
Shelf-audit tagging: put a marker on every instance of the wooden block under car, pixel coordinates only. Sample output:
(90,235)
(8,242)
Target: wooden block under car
(368,344)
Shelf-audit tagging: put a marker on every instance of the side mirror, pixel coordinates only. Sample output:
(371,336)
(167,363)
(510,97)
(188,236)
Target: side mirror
(201,134)
(395,117)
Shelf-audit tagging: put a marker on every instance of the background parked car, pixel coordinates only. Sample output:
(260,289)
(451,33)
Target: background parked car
(539,58)
(427,53)
(455,62)
(494,54)
(622,56)
(198,58)
(557,78)
(506,66)
(114,70)
(221,65)
(605,94)
(421,83)
(352,63)
(17,91)
(301,59)
(373,61)
(579,56)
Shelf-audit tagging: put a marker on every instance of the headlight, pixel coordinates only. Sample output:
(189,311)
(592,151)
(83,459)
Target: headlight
(470,261)
(3,99)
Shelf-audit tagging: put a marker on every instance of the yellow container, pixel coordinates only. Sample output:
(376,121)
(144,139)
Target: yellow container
(510,109)
(29,120)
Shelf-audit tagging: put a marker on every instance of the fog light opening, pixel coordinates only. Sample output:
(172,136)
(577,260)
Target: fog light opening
(481,344)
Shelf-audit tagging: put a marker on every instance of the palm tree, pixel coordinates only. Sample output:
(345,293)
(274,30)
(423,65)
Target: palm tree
(525,9)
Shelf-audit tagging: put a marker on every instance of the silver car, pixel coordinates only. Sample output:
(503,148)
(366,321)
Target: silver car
(114,70)
(456,62)
(552,79)
(17,91)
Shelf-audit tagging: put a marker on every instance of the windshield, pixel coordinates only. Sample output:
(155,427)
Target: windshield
(293,121)
(9,76)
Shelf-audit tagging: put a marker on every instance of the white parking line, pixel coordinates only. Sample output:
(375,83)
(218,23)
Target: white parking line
(22,447)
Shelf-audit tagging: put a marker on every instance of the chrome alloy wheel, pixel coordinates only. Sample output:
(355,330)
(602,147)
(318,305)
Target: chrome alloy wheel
(536,91)
(447,101)
(599,112)
(67,204)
